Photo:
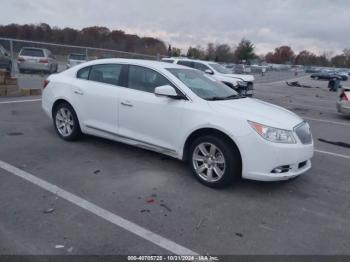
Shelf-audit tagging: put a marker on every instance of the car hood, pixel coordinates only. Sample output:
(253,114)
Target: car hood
(247,78)
(258,111)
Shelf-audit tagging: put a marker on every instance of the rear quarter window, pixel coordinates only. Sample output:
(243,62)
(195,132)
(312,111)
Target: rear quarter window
(84,73)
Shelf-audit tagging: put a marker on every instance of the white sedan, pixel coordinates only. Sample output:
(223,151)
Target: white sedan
(183,113)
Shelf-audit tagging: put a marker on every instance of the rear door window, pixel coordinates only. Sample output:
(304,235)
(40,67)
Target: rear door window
(108,73)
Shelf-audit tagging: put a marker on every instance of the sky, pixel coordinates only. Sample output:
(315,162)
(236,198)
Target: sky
(316,25)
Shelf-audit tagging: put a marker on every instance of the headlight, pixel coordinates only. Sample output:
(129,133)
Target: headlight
(273,134)
(242,83)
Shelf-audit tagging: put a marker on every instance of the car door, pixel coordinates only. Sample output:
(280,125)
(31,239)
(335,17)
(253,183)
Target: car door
(96,93)
(145,117)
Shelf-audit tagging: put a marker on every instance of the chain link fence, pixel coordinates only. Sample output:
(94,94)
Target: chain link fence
(60,54)
(32,76)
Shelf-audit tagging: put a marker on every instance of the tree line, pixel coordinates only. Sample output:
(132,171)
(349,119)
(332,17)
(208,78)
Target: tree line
(244,52)
(95,36)
(102,37)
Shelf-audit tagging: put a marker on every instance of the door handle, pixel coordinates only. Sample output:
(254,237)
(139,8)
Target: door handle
(78,92)
(126,103)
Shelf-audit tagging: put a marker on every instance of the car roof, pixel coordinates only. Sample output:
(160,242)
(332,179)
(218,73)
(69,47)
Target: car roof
(35,48)
(147,63)
(189,59)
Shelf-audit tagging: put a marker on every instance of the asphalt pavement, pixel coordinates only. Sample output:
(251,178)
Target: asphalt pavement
(155,193)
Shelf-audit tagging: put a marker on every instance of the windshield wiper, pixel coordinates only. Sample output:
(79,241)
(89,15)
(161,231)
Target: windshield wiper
(216,98)
(234,97)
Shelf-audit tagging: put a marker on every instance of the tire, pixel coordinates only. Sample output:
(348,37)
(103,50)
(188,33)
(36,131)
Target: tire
(224,161)
(66,122)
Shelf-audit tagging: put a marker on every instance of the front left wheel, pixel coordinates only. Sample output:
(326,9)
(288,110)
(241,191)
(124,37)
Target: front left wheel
(215,161)
(66,122)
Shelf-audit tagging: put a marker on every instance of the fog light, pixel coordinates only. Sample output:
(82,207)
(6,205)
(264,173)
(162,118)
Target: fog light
(281,169)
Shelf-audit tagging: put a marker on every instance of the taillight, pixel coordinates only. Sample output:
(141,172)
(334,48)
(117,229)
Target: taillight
(344,97)
(44,61)
(46,82)
(20,59)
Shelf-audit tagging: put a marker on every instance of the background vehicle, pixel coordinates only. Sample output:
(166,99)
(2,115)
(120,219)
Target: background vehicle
(183,113)
(76,59)
(328,76)
(36,59)
(5,59)
(243,84)
(343,104)
(242,69)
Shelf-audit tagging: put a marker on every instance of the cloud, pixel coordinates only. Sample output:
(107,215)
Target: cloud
(318,25)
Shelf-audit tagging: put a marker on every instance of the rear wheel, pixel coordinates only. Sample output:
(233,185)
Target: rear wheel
(215,162)
(66,122)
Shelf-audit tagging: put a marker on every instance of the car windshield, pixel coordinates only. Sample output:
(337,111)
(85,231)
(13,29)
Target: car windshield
(77,57)
(32,52)
(220,68)
(204,85)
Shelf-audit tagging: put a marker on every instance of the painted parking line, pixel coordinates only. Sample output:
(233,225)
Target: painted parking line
(332,154)
(100,212)
(20,101)
(327,121)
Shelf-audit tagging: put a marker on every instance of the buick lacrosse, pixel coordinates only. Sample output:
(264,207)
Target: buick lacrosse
(183,113)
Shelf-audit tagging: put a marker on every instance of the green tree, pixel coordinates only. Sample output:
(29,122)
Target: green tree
(245,51)
(196,53)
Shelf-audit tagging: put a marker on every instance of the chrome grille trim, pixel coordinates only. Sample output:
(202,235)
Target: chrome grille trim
(304,133)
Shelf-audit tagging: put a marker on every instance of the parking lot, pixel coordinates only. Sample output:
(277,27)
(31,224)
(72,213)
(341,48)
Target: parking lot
(103,197)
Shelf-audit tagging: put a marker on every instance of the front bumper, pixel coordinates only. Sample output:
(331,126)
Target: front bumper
(260,158)
(247,89)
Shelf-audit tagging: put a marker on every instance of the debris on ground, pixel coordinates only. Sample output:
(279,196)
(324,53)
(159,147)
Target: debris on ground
(150,201)
(145,211)
(341,144)
(15,134)
(69,250)
(59,246)
(239,234)
(48,211)
(200,223)
(154,195)
(97,171)
(297,84)
(166,207)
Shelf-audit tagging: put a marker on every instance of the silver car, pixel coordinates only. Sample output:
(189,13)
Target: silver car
(76,59)
(36,59)
(343,104)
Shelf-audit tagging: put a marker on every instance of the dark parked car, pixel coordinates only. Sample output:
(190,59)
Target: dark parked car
(328,76)
(5,59)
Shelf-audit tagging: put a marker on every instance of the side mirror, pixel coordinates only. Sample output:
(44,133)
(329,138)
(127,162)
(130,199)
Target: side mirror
(209,72)
(167,91)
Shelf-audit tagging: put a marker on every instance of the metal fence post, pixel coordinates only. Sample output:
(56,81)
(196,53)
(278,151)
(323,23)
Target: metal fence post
(12,59)
(87,53)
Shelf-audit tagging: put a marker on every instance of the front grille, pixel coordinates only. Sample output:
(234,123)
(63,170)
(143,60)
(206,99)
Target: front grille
(304,133)
(250,86)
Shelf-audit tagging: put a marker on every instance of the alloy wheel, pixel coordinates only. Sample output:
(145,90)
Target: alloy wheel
(64,122)
(209,162)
